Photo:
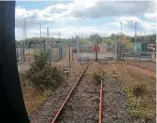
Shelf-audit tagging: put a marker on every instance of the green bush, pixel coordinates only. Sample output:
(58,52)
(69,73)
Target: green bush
(139,90)
(42,75)
(97,78)
(41,60)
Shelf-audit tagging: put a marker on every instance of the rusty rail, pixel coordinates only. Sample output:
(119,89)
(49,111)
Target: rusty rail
(68,96)
(100,101)
(100,104)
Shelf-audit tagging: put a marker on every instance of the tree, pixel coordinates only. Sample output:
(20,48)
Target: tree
(83,40)
(96,39)
(152,38)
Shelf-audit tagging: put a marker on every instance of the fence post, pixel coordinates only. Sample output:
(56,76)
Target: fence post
(72,54)
(69,55)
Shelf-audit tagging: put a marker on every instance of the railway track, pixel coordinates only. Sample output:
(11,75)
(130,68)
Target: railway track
(88,102)
(72,102)
(83,103)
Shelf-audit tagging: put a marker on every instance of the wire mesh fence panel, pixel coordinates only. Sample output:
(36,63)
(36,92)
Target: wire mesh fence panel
(101,51)
(85,52)
(106,51)
(138,56)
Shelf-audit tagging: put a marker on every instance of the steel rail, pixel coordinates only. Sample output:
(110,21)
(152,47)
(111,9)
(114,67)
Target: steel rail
(100,101)
(68,96)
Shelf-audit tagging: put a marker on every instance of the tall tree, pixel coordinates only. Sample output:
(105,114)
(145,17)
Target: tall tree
(96,39)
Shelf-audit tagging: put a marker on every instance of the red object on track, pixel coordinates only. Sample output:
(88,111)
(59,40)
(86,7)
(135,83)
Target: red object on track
(96,48)
(63,104)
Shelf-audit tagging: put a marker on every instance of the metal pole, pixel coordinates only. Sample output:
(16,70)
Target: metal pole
(78,50)
(49,43)
(96,46)
(23,50)
(69,55)
(121,26)
(24,39)
(120,39)
(40,30)
(135,42)
(115,49)
(72,49)
(135,31)
(59,34)
(40,39)
(47,34)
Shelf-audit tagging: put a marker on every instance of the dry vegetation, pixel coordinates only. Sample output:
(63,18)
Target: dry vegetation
(138,85)
(39,81)
(97,78)
(140,90)
(32,96)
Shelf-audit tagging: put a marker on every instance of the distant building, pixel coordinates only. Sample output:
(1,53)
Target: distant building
(141,47)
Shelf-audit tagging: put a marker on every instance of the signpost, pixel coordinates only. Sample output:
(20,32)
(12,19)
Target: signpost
(96,49)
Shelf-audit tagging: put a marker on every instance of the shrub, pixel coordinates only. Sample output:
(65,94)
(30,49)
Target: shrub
(139,90)
(42,75)
(41,60)
(97,78)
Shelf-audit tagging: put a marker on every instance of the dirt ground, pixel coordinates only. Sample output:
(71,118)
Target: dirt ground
(141,70)
(145,64)
(129,78)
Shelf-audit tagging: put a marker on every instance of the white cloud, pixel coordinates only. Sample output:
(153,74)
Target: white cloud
(84,9)
(114,8)
(142,25)
(127,12)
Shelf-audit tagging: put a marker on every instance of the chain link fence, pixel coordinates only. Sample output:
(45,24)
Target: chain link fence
(56,52)
(102,51)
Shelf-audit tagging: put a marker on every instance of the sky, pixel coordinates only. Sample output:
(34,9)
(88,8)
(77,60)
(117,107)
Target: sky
(84,17)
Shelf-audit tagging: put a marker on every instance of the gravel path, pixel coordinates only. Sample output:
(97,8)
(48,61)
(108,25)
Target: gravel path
(45,113)
(83,105)
(114,103)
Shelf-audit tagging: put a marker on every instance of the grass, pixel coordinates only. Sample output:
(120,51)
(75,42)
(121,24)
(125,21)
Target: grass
(32,96)
(140,91)
(97,78)
(38,82)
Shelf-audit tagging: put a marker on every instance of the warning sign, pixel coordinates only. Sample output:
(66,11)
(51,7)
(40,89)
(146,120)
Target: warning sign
(96,48)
